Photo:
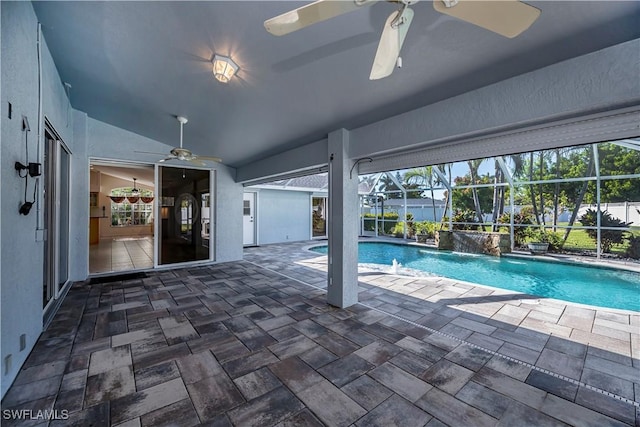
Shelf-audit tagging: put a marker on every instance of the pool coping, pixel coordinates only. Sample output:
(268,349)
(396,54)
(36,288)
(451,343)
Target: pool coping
(417,274)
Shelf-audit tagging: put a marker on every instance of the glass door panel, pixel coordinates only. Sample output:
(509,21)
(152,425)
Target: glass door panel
(49,176)
(319,216)
(185,231)
(63,226)
(56,181)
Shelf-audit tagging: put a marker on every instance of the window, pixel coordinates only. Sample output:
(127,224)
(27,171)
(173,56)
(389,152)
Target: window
(125,213)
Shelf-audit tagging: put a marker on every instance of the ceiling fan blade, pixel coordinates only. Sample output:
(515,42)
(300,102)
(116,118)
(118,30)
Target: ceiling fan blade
(210,159)
(197,162)
(390,44)
(166,159)
(506,17)
(304,16)
(150,152)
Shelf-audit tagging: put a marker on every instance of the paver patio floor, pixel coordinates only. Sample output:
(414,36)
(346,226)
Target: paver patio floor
(254,343)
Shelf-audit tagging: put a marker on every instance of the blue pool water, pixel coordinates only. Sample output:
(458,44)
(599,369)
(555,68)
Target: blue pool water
(604,287)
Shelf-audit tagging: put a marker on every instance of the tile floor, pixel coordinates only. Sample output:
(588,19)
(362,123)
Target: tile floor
(253,343)
(121,254)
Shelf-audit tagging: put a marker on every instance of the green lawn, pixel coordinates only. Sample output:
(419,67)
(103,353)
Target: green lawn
(579,240)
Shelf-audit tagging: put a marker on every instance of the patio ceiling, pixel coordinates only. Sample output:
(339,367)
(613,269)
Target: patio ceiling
(137,65)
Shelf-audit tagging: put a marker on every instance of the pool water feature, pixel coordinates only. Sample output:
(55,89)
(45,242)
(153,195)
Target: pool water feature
(599,286)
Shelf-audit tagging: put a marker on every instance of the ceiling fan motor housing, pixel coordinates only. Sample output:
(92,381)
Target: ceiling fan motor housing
(182,153)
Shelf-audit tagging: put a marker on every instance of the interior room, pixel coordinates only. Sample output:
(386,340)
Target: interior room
(121,222)
(134,135)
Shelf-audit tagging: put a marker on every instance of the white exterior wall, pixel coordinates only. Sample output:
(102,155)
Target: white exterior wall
(228,215)
(283,216)
(601,81)
(21,254)
(104,141)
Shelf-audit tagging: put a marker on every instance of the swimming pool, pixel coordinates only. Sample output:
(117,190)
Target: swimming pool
(604,287)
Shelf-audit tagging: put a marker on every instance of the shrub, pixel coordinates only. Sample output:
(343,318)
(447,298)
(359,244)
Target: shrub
(554,239)
(390,221)
(633,251)
(427,228)
(444,223)
(464,216)
(522,218)
(398,229)
(607,237)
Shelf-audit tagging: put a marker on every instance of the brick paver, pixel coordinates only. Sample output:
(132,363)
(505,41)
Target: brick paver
(240,344)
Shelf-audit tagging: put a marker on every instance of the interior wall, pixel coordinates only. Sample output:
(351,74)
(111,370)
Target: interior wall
(107,183)
(22,246)
(284,216)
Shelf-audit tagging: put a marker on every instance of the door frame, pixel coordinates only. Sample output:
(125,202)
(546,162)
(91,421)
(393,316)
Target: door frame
(158,223)
(113,162)
(51,211)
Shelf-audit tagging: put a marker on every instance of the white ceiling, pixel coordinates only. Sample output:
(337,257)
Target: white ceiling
(144,175)
(137,65)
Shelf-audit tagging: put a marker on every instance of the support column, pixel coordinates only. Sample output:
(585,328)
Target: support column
(342,289)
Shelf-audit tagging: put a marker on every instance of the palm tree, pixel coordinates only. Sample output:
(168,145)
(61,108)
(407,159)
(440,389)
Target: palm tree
(556,191)
(532,192)
(447,193)
(498,190)
(474,165)
(387,186)
(426,177)
(583,191)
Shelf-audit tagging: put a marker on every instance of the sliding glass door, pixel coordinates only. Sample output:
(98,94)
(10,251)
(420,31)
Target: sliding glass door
(56,180)
(185,210)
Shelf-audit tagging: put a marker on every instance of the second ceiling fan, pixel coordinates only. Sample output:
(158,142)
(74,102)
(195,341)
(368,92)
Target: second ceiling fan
(181,153)
(505,17)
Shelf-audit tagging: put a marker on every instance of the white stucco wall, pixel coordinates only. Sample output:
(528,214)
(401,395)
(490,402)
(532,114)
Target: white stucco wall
(309,157)
(22,255)
(283,216)
(600,81)
(228,215)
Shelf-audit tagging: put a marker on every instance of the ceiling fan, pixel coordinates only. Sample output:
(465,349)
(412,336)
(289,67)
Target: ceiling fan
(505,17)
(180,153)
